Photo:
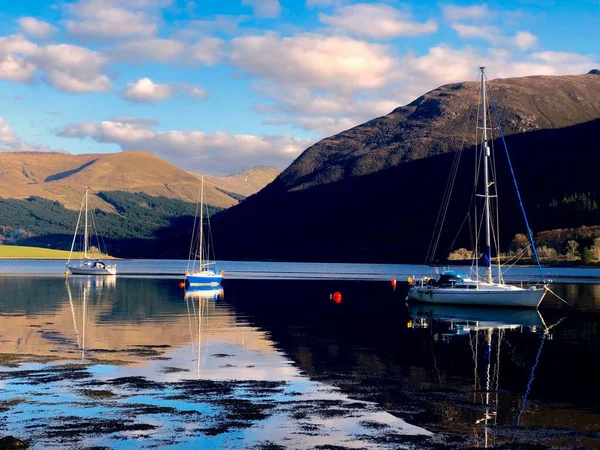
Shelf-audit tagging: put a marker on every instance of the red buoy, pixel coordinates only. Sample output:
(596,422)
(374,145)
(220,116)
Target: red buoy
(182,284)
(337,297)
(393,282)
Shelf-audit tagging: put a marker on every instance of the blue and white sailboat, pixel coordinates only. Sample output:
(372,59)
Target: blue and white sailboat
(201,271)
(482,289)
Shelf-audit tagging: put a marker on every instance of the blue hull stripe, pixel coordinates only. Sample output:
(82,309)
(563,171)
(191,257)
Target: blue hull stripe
(204,281)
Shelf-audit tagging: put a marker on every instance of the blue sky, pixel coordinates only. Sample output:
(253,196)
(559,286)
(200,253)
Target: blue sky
(216,87)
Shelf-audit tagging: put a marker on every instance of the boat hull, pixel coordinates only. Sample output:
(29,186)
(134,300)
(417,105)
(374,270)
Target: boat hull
(509,296)
(85,270)
(492,317)
(204,292)
(202,279)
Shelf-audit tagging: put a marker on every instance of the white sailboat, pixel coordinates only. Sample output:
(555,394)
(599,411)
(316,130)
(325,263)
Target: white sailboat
(87,266)
(481,290)
(201,271)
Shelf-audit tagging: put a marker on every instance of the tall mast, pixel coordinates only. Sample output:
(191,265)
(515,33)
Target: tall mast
(85,231)
(486,155)
(201,235)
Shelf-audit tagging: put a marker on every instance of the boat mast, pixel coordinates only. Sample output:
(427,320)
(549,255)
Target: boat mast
(201,233)
(85,231)
(486,155)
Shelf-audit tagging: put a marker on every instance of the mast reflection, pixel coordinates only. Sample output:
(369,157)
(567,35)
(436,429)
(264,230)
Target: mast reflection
(198,300)
(486,329)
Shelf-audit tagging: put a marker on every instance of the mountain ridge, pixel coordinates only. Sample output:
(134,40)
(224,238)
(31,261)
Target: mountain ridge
(62,177)
(347,199)
(525,104)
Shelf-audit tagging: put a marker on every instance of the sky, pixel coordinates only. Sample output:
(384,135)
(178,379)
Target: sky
(220,86)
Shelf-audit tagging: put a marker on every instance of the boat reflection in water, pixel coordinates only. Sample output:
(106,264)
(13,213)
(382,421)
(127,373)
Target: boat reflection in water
(79,292)
(199,301)
(486,329)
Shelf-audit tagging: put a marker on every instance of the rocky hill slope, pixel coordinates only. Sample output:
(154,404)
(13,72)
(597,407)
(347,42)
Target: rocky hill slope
(437,123)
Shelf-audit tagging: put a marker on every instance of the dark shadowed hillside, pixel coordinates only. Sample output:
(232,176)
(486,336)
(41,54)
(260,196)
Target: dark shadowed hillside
(372,193)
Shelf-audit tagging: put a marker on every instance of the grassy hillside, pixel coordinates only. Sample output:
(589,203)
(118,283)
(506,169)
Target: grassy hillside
(140,226)
(23,252)
(62,177)
(245,183)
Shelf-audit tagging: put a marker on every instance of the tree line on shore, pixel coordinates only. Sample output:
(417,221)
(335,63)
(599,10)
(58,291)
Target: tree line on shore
(581,244)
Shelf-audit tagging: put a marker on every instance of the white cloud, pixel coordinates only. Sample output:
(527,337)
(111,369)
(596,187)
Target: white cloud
(326,126)
(72,83)
(525,40)
(111,19)
(130,120)
(67,67)
(219,152)
(7,134)
(314,61)
(36,28)
(322,3)
(194,92)
(486,32)
(149,49)
(264,8)
(377,21)
(304,102)
(564,58)
(72,68)
(456,13)
(9,141)
(16,43)
(208,50)
(14,68)
(145,90)
(322,113)
(223,23)
(444,64)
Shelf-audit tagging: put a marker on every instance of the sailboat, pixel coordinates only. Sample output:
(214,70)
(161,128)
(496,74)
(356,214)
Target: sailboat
(87,266)
(201,272)
(482,290)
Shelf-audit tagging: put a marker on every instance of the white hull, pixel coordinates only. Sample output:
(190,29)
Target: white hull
(484,317)
(206,292)
(486,295)
(86,270)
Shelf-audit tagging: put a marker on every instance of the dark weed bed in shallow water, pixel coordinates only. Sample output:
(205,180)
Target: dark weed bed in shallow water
(132,363)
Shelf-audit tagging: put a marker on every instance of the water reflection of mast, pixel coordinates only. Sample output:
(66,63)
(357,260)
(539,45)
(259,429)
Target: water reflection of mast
(80,340)
(472,321)
(203,296)
(73,313)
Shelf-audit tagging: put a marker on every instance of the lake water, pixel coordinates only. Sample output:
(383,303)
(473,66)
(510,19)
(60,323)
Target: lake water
(134,361)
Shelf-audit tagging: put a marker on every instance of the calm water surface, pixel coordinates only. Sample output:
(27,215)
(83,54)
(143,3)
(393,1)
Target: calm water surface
(131,362)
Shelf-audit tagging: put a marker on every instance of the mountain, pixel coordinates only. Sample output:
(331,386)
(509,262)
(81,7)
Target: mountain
(243,183)
(436,123)
(62,177)
(144,205)
(372,193)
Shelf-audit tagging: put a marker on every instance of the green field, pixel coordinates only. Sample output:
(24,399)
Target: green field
(21,252)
